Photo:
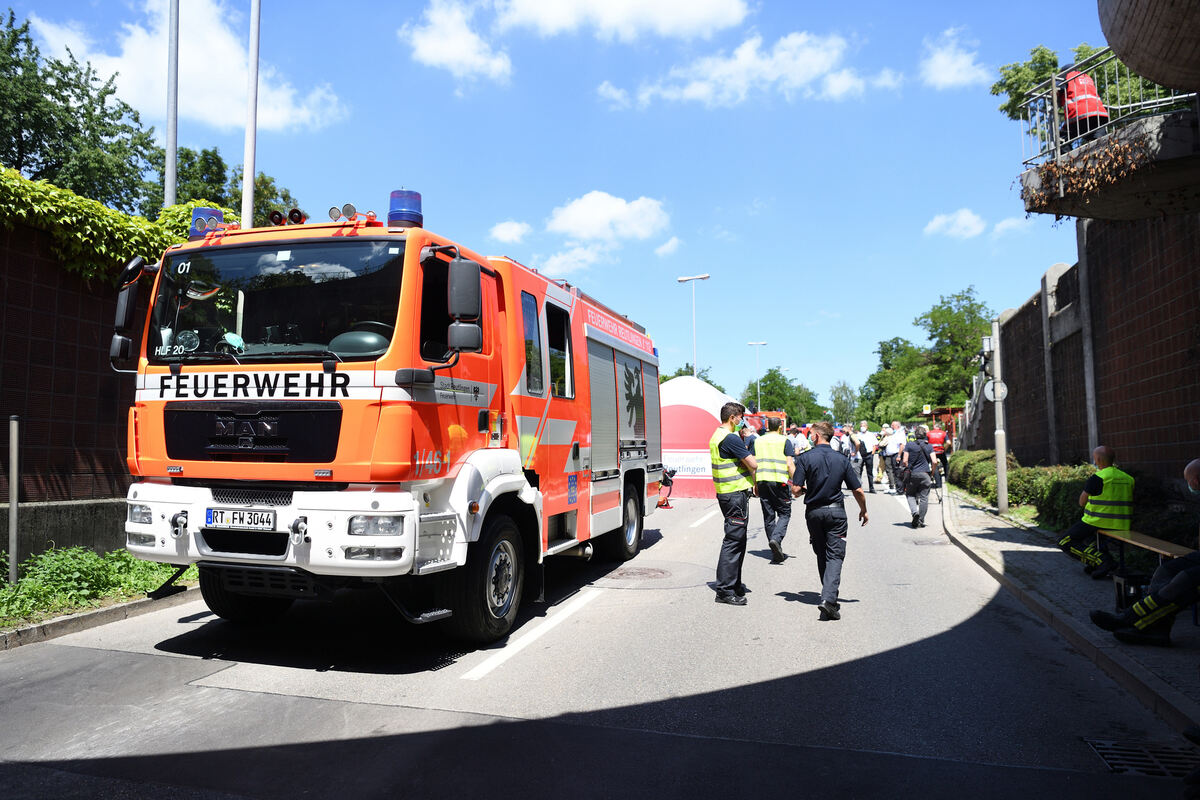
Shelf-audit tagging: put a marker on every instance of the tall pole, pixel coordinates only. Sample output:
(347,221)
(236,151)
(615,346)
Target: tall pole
(169,174)
(1001,442)
(14,495)
(692,280)
(251,119)
(757,372)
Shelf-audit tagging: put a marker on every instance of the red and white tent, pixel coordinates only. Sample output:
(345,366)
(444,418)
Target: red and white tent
(690,415)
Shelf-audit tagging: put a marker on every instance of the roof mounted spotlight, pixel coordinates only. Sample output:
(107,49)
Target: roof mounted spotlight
(335,213)
(276,217)
(296,216)
(348,211)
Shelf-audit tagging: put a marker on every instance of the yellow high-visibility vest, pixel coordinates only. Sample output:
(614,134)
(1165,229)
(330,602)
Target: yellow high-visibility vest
(729,475)
(1113,507)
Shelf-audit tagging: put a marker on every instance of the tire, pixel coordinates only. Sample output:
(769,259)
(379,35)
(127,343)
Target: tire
(625,542)
(485,595)
(243,609)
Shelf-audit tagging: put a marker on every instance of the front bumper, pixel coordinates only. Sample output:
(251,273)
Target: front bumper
(321,545)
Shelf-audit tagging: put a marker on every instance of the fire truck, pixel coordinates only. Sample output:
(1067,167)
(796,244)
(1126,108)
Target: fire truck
(362,403)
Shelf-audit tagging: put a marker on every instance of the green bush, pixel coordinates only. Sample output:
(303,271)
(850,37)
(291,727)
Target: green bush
(1158,507)
(62,580)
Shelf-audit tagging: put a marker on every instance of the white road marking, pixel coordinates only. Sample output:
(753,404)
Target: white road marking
(705,518)
(584,597)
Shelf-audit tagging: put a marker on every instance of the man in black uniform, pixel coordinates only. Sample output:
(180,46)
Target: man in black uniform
(820,473)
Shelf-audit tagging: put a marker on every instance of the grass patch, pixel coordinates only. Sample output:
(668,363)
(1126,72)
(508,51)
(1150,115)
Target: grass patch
(66,580)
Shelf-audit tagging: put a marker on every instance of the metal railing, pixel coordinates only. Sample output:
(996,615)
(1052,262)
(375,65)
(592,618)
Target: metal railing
(1126,96)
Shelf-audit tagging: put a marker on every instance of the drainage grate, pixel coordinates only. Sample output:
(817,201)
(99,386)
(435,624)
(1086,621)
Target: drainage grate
(1147,758)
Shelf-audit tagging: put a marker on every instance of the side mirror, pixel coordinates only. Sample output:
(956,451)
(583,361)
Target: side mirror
(127,299)
(464,297)
(121,348)
(465,337)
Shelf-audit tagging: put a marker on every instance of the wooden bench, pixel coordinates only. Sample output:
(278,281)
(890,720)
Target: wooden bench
(1161,547)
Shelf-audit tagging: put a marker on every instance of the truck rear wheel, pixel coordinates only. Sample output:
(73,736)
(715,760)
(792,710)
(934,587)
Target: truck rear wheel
(625,542)
(485,595)
(244,609)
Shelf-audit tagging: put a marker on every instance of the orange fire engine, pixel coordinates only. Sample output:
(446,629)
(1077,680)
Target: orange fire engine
(360,402)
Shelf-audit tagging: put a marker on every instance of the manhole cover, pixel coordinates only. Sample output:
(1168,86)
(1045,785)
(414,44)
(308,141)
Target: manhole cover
(639,573)
(1147,758)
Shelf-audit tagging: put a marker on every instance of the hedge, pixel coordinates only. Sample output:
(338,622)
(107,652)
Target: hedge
(87,237)
(1159,508)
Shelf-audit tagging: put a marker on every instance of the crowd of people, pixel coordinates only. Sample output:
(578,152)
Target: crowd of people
(814,461)
(818,460)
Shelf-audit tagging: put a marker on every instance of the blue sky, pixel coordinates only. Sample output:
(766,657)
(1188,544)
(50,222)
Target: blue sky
(835,167)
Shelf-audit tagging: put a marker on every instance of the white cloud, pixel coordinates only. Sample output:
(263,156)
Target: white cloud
(843,83)
(668,247)
(510,232)
(575,259)
(962,224)
(951,64)
(887,79)
(215,46)
(624,20)
(798,63)
(617,98)
(1011,225)
(445,40)
(599,216)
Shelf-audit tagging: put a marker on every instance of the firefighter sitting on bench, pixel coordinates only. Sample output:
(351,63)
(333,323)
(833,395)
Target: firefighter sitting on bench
(1107,501)
(1174,586)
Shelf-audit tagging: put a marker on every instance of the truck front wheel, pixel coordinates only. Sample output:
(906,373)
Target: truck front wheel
(485,595)
(244,609)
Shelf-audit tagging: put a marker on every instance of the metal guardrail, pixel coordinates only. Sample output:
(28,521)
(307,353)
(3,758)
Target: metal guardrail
(1126,96)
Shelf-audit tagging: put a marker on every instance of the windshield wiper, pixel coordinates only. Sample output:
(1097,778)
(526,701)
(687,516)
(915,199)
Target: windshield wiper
(283,355)
(210,355)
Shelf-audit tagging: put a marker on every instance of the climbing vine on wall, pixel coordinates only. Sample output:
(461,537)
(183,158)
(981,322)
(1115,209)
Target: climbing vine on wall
(1086,172)
(88,238)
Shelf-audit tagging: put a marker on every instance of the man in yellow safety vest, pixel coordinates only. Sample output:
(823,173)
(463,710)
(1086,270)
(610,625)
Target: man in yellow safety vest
(774,452)
(733,478)
(1107,502)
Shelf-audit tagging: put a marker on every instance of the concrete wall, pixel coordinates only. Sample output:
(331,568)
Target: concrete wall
(1127,315)
(95,524)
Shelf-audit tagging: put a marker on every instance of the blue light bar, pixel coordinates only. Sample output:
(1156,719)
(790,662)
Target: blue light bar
(205,220)
(405,209)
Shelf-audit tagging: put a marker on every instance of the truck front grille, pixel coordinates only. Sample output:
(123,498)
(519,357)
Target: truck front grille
(249,543)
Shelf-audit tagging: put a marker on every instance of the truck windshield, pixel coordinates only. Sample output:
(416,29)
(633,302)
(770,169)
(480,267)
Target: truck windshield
(303,301)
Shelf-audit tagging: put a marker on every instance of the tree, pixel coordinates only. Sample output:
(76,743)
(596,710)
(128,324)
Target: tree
(910,376)
(955,326)
(686,369)
(267,196)
(197,175)
(63,124)
(778,393)
(844,400)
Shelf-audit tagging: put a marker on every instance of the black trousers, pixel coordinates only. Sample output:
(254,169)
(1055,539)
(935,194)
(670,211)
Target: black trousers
(827,530)
(869,465)
(776,499)
(735,506)
(1081,541)
(889,464)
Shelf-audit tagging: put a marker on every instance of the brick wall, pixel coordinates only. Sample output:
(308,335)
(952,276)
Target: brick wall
(1024,372)
(54,374)
(1144,291)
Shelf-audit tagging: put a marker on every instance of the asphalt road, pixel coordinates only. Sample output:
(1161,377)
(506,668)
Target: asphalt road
(629,682)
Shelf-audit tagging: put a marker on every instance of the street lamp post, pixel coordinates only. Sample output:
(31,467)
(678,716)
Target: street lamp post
(757,376)
(692,279)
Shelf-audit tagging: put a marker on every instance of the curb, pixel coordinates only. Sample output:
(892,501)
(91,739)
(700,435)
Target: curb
(1175,708)
(84,620)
